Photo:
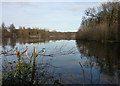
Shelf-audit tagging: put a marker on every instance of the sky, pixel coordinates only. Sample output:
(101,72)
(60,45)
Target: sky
(59,16)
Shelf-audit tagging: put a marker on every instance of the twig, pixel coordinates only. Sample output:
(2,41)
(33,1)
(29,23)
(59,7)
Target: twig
(83,72)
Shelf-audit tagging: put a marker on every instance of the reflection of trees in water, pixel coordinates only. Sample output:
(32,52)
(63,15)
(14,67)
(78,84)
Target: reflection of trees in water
(105,55)
(12,41)
(8,41)
(29,40)
(4,42)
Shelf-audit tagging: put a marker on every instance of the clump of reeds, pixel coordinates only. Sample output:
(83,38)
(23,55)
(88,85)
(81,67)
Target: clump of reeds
(24,72)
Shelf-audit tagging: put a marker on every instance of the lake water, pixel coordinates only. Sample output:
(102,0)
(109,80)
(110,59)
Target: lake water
(100,61)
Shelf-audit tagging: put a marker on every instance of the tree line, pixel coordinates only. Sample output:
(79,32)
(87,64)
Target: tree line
(23,32)
(101,23)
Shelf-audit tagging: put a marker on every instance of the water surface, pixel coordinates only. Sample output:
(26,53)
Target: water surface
(100,61)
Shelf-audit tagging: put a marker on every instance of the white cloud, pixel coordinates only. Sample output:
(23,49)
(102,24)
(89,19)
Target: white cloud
(77,8)
(82,6)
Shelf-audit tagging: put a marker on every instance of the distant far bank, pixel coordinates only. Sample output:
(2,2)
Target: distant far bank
(38,33)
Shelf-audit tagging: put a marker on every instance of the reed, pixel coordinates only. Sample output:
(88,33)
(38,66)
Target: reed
(24,71)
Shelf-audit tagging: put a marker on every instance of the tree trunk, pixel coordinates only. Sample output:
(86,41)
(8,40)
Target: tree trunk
(119,22)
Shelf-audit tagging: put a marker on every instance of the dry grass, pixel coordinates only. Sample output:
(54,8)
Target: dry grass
(99,32)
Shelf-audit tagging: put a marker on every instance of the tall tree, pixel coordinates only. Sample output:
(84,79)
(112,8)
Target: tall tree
(12,28)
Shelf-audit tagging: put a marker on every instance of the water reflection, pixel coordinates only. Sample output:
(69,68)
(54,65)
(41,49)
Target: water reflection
(8,41)
(12,41)
(100,61)
(106,56)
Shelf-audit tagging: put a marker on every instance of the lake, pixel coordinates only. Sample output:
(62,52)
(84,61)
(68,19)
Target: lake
(74,62)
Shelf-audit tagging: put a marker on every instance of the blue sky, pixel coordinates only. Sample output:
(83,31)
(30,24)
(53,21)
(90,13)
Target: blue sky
(59,16)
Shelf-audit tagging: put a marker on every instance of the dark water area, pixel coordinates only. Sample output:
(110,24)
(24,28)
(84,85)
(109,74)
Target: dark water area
(106,56)
(99,61)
